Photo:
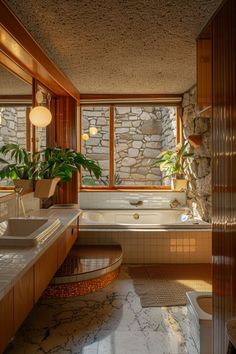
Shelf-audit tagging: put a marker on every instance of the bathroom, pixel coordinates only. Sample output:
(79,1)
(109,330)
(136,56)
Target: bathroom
(116,191)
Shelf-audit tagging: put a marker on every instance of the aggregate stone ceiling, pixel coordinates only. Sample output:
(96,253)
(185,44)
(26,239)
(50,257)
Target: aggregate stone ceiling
(120,46)
(10,84)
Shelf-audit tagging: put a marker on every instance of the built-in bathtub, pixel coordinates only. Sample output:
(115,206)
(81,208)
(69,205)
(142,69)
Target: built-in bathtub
(149,236)
(141,219)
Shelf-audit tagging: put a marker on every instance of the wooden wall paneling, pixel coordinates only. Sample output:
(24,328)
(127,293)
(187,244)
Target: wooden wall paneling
(223,172)
(204,72)
(23,298)
(6,320)
(66,136)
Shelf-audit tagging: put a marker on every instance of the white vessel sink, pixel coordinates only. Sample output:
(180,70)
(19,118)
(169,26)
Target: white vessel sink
(26,231)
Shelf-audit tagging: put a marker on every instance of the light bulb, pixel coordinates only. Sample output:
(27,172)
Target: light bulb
(93,131)
(40,116)
(85,137)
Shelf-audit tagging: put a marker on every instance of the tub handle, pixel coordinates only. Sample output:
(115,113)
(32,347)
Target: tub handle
(136,203)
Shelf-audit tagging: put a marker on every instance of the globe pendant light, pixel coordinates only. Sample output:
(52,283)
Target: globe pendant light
(40,116)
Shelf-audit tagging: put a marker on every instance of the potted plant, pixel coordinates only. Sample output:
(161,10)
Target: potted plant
(21,167)
(173,162)
(58,164)
(47,167)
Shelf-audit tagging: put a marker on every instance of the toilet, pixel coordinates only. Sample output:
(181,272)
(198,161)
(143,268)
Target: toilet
(199,308)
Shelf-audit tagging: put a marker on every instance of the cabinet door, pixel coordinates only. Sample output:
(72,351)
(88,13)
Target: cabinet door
(23,298)
(204,73)
(44,270)
(71,236)
(6,320)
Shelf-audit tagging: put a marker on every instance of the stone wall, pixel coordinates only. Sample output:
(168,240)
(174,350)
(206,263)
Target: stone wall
(141,133)
(198,170)
(13,128)
(13,125)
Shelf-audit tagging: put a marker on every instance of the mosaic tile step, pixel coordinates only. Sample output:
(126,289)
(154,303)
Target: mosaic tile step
(86,269)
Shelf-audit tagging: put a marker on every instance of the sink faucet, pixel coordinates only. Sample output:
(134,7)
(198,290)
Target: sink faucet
(19,201)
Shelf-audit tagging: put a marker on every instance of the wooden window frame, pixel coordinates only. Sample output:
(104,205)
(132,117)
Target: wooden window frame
(111,186)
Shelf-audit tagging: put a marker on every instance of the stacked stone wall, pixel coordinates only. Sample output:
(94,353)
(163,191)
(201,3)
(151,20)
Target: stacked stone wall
(141,133)
(198,170)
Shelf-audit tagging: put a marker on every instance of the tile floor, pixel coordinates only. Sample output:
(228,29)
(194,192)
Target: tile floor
(110,321)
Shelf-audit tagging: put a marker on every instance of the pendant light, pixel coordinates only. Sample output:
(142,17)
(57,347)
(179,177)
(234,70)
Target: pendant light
(40,116)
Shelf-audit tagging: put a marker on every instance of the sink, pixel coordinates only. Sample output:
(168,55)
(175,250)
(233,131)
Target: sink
(26,231)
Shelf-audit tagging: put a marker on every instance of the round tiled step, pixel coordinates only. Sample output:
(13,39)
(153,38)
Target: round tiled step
(86,269)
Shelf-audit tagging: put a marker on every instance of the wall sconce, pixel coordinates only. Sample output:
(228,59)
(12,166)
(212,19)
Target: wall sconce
(40,116)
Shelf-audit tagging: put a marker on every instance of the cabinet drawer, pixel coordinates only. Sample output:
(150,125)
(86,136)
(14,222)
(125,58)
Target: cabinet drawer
(44,270)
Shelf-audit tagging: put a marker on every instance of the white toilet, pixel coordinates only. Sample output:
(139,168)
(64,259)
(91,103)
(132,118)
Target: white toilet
(199,305)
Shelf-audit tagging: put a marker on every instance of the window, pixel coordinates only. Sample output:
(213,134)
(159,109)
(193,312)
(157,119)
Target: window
(127,142)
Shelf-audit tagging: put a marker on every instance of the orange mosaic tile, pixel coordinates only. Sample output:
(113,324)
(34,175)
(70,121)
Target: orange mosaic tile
(81,288)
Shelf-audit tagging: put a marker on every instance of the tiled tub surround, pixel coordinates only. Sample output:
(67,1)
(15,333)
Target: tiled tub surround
(154,246)
(123,200)
(25,273)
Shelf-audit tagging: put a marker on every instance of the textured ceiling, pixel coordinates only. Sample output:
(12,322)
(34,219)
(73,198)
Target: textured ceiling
(12,85)
(120,46)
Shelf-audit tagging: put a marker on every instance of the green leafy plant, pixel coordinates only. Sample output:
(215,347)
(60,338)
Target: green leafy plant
(59,162)
(173,162)
(45,164)
(21,166)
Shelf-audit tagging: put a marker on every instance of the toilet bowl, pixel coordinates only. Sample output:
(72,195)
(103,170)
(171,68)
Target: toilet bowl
(199,305)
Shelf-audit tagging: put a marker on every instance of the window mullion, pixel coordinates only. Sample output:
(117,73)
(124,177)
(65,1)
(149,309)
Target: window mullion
(112,147)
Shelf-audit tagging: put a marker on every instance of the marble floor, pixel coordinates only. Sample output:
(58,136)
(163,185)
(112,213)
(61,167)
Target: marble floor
(110,321)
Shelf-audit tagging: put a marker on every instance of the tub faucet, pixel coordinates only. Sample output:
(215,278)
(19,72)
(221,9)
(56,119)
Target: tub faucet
(175,203)
(136,203)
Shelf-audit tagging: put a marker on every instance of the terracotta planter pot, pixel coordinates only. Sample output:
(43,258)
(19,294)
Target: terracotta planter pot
(45,188)
(25,184)
(178,184)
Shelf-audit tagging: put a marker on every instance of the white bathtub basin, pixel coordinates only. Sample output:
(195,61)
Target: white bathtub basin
(26,231)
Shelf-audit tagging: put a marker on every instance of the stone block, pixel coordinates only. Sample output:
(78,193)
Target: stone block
(150,153)
(122,110)
(136,110)
(137,144)
(129,161)
(132,152)
(102,121)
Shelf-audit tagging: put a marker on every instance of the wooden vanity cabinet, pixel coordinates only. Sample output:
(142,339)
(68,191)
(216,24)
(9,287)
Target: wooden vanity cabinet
(23,298)
(6,320)
(44,269)
(16,305)
(65,242)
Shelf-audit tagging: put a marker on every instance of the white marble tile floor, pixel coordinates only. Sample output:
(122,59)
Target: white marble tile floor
(110,321)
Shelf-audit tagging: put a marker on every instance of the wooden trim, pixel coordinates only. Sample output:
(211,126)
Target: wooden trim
(18,45)
(160,99)
(28,130)
(124,188)
(112,147)
(14,68)
(179,125)
(15,100)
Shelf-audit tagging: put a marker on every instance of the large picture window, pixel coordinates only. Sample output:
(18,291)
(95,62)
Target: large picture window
(126,142)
